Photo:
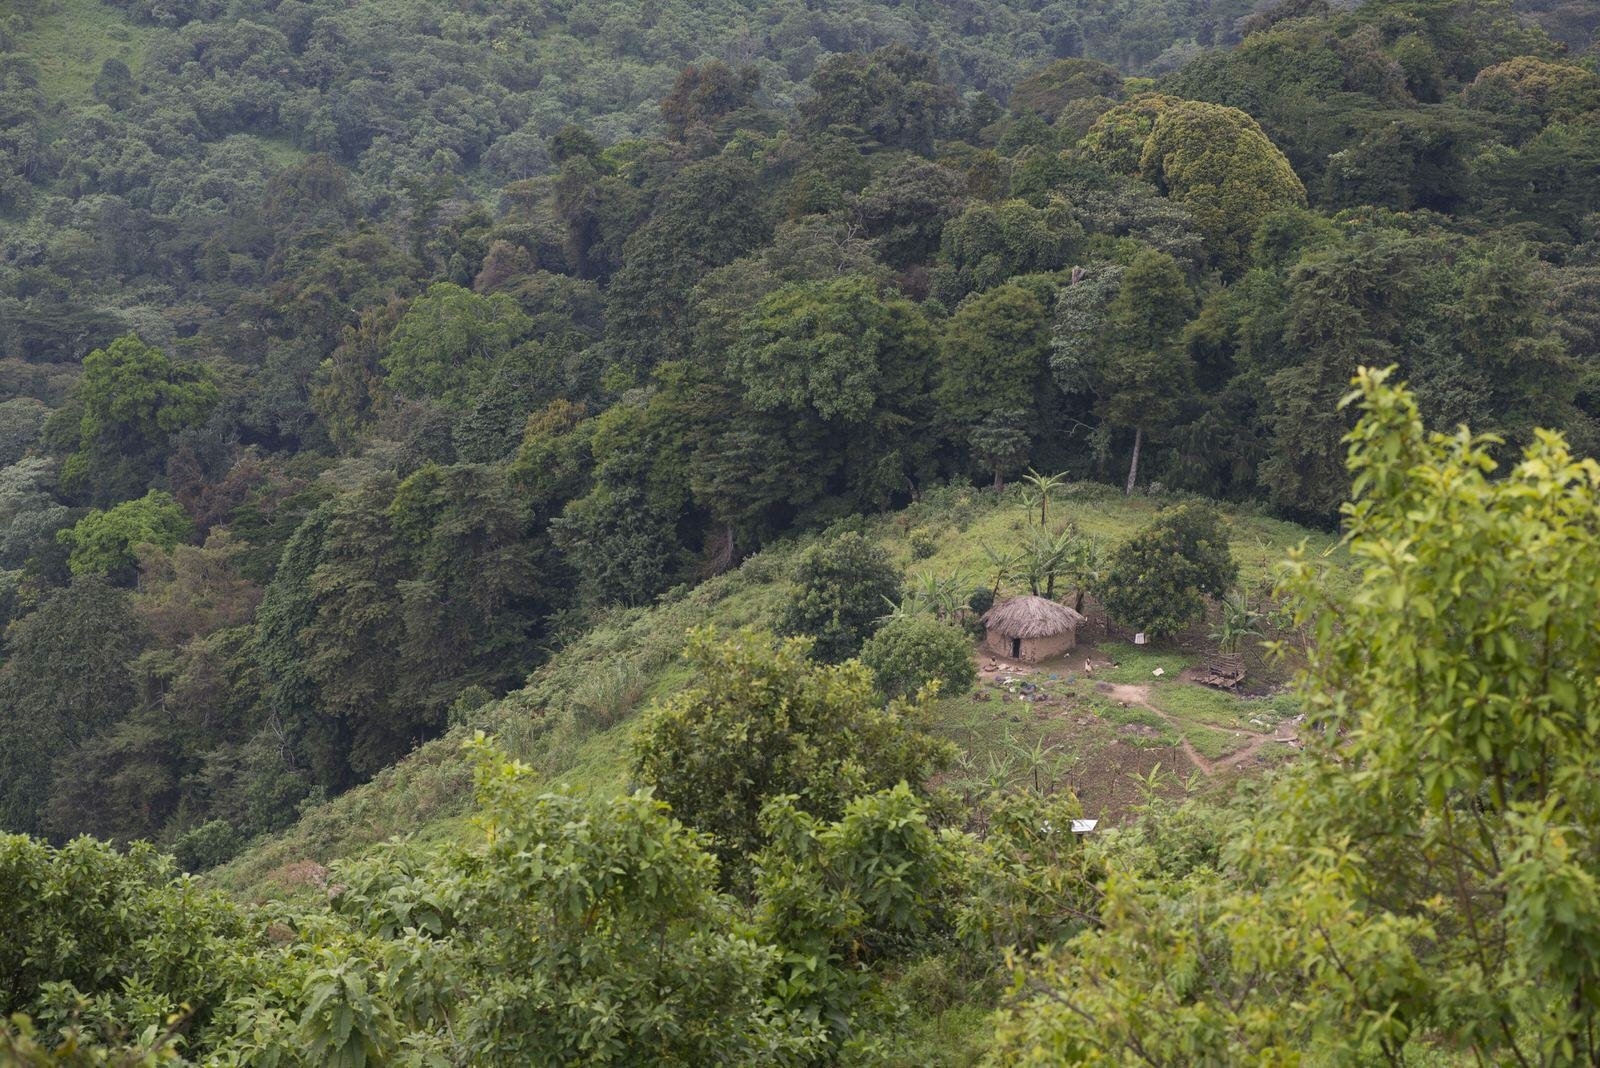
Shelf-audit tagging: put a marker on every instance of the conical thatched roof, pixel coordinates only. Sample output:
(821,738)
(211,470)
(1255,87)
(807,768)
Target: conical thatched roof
(1030,617)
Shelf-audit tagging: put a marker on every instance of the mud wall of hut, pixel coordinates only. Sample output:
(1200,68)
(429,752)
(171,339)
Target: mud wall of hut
(1031,649)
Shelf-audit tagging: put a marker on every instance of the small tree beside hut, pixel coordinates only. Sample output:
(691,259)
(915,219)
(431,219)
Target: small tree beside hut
(841,586)
(1157,580)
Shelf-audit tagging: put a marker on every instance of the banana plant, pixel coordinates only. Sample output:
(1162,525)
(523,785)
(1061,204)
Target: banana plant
(1038,489)
(1237,622)
(1005,564)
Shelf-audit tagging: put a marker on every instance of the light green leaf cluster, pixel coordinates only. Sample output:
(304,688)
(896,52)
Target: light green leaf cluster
(761,721)
(908,653)
(103,541)
(1214,160)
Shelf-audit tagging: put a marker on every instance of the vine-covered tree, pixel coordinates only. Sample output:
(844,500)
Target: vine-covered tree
(65,678)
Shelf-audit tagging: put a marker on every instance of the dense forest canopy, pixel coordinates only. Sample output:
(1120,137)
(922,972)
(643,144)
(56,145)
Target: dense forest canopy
(357,357)
(353,355)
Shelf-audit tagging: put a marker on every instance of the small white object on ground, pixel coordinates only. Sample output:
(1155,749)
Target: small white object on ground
(1159,671)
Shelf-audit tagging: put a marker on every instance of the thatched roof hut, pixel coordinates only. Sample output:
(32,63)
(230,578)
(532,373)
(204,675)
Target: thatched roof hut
(1030,628)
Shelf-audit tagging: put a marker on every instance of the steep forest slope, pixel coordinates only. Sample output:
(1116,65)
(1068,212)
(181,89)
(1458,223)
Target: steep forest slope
(317,416)
(324,405)
(372,373)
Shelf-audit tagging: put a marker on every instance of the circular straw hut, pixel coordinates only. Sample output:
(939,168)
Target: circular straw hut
(1030,629)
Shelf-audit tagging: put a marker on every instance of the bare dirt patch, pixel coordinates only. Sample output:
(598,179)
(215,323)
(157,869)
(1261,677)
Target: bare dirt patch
(1135,695)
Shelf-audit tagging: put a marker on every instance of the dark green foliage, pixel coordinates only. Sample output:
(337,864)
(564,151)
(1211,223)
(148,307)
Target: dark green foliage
(351,641)
(64,680)
(460,327)
(113,86)
(842,586)
(462,324)
(21,420)
(994,386)
(349,393)
(1146,375)
(905,210)
(708,215)
(893,97)
(1157,580)
(703,95)
(989,243)
(29,515)
(623,548)
(449,343)
(910,652)
(999,441)
(133,401)
(120,784)
(288,607)
(847,372)
(1117,339)
(491,429)
(206,846)
(1541,183)
(1053,88)
(1364,299)
(761,721)
(388,603)
(420,588)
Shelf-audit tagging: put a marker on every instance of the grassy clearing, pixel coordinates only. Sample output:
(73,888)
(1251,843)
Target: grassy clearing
(962,521)
(1276,753)
(1198,724)
(1203,706)
(70,39)
(1213,743)
(1138,663)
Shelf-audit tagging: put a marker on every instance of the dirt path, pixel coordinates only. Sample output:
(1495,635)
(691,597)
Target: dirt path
(1139,695)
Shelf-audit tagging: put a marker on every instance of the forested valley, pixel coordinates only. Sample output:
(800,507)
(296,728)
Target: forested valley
(501,502)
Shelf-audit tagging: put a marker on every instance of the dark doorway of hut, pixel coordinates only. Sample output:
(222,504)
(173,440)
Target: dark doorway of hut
(1016,648)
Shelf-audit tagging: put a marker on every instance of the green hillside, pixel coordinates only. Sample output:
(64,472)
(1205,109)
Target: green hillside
(499,501)
(572,722)
(71,40)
